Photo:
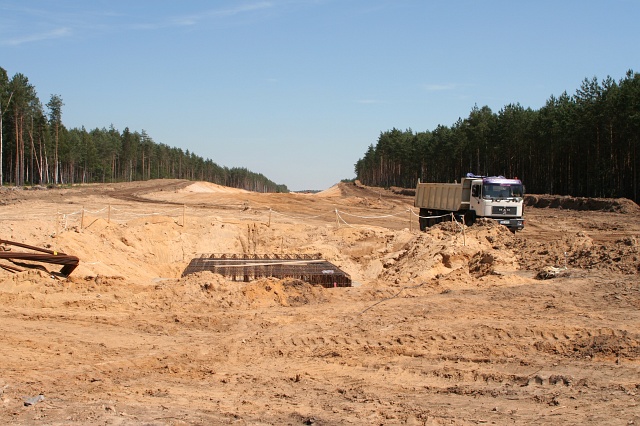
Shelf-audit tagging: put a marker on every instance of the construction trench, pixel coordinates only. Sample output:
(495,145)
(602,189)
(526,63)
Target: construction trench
(246,268)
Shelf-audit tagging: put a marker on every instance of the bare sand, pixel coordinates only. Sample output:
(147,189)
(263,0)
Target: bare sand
(440,327)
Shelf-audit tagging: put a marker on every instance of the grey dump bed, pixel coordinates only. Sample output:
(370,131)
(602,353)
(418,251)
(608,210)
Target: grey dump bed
(443,196)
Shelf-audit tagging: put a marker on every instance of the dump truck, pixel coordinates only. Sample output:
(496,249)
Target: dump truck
(494,197)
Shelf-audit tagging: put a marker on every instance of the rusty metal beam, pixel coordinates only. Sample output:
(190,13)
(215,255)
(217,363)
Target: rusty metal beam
(70,263)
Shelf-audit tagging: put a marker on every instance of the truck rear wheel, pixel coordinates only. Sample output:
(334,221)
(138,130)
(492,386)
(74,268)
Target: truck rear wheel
(424,222)
(433,220)
(469,218)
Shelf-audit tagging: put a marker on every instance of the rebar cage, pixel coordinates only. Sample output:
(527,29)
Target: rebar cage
(309,268)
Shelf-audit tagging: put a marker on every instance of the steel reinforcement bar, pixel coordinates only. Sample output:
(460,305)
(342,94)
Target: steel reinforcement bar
(308,268)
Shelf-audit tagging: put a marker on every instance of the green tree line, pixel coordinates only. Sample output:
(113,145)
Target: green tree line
(585,145)
(36,148)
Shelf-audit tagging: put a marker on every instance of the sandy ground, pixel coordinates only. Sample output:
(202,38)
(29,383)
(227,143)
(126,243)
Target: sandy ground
(440,327)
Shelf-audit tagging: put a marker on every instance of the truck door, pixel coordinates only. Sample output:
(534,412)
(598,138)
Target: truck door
(476,196)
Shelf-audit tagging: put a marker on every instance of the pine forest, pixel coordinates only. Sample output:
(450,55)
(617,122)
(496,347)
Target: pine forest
(584,145)
(37,149)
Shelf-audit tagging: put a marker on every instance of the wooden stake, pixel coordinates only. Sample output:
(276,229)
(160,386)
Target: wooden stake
(109,214)
(464,235)
(410,224)
(82,219)
(269,225)
(184,207)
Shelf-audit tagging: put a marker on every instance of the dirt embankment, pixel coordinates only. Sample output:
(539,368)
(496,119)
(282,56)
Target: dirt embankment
(617,205)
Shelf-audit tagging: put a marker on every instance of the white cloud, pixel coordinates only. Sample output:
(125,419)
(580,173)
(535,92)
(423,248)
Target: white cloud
(244,8)
(53,34)
(194,19)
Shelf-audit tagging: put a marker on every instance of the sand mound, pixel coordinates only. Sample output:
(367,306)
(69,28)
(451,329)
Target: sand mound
(334,191)
(214,289)
(208,187)
(443,250)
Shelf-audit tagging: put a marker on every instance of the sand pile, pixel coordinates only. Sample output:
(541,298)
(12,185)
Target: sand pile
(334,191)
(216,291)
(208,187)
(444,249)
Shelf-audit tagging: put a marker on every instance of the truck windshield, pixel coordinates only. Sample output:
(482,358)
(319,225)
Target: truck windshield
(501,191)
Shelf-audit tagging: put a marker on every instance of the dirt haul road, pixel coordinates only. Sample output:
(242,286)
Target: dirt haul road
(441,327)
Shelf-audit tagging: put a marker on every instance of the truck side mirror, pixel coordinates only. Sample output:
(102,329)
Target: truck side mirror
(475,191)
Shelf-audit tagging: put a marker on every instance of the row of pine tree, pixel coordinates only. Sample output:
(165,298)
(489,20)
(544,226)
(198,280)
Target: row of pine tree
(584,145)
(36,148)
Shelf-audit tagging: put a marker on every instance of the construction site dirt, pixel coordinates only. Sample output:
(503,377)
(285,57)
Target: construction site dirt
(455,326)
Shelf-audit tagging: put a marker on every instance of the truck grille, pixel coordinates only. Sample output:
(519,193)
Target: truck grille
(504,211)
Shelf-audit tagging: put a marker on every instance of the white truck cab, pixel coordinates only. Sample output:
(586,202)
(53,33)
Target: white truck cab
(498,198)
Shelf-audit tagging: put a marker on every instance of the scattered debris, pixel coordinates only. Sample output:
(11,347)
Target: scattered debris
(33,400)
(552,272)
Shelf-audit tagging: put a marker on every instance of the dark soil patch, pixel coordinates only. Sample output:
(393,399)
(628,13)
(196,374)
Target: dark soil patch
(617,205)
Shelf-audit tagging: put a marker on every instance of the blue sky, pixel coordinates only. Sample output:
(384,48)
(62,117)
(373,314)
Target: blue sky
(298,89)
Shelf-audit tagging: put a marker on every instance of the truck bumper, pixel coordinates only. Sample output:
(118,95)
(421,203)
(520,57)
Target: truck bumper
(515,224)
